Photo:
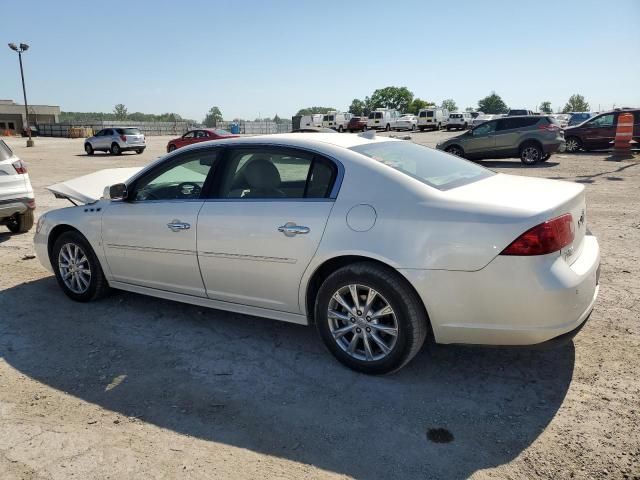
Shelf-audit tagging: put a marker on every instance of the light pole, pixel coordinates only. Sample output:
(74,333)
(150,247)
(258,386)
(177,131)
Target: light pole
(20,49)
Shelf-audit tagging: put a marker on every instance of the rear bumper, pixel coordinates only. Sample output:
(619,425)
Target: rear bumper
(511,301)
(554,147)
(128,148)
(10,207)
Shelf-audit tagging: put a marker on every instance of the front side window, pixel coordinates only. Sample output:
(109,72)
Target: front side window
(180,179)
(602,121)
(267,173)
(189,135)
(484,129)
(430,114)
(432,167)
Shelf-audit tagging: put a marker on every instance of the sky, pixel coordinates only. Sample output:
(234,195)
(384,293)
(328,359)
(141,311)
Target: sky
(255,58)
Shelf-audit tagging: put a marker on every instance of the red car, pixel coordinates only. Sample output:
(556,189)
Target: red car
(357,124)
(196,136)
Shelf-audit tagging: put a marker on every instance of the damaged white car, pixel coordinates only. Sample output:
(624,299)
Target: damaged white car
(380,243)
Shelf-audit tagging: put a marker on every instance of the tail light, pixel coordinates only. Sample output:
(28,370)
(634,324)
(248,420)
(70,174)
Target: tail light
(123,138)
(20,167)
(547,237)
(549,127)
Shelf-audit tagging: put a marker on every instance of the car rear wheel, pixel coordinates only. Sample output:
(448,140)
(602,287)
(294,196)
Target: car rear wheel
(340,129)
(573,144)
(139,150)
(455,150)
(531,153)
(88,148)
(77,268)
(413,128)
(21,222)
(439,126)
(115,149)
(369,318)
(422,129)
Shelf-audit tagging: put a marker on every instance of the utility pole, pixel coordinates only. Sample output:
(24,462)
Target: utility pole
(20,49)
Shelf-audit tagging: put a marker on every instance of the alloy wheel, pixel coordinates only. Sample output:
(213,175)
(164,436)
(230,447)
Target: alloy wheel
(530,154)
(572,145)
(74,268)
(362,322)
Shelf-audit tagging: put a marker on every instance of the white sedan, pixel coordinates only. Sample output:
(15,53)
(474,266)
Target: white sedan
(378,242)
(406,122)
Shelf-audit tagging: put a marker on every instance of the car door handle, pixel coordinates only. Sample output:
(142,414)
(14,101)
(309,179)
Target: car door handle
(290,229)
(177,225)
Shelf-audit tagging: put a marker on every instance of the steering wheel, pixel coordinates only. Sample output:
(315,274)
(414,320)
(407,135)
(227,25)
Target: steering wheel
(186,186)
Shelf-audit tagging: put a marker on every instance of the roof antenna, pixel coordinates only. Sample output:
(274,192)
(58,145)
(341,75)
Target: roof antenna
(368,134)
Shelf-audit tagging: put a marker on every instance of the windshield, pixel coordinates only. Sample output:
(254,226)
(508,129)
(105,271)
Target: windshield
(432,167)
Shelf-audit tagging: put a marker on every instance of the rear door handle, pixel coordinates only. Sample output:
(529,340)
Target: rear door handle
(290,229)
(177,225)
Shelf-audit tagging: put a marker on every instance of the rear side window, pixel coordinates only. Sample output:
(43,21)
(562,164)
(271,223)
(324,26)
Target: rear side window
(5,151)
(430,114)
(128,131)
(513,123)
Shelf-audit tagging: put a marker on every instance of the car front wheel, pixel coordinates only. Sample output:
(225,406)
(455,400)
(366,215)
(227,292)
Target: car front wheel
(573,145)
(88,149)
(77,268)
(370,319)
(455,150)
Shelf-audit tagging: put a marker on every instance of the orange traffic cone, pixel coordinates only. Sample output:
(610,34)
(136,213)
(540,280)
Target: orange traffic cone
(624,137)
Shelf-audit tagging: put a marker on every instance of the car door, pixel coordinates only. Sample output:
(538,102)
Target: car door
(481,140)
(600,132)
(98,140)
(508,131)
(257,238)
(150,238)
(186,139)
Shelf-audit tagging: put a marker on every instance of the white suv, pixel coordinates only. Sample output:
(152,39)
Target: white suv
(17,202)
(459,120)
(116,140)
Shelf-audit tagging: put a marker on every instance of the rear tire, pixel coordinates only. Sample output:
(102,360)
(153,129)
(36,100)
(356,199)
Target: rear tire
(340,129)
(115,149)
(139,150)
(88,149)
(402,329)
(531,153)
(422,129)
(85,261)
(439,127)
(545,157)
(21,222)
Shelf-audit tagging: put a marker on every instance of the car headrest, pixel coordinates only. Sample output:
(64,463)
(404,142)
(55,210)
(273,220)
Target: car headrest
(262,174)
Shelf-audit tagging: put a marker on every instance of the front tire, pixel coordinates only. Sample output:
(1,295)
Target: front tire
(88,149)
(573,145)
(340,129)
(115,149)
(77,268)
(21,222)
(370,318)
(413,128)
(171,148)
(531,153)
(455,150)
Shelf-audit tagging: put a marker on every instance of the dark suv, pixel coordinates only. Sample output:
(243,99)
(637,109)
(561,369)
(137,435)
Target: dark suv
(531,138)
(599,132)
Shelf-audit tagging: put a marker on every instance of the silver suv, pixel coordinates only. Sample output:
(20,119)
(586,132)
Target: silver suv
(116,140)
(17,202)
(531,138)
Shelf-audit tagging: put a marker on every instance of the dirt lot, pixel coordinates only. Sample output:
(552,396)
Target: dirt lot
(135,387)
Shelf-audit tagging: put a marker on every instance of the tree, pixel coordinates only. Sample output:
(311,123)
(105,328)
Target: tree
(120,112)
(213,117)
(357,107)
(450,105)
(310,110)
(576,103)
(545,107)
(492,104)
(277,119)
(398,98)
(418,104)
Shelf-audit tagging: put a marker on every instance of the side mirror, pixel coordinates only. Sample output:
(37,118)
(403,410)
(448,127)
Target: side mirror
(118,191)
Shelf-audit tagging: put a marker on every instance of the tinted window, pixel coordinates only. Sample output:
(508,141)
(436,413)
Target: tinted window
(432,167)
(484,129)
(512,123)
(602,121)
(128,131)
(221,132)
(423,114)
(455,115)
(189,135)
(5,151)
(273,173)
(430,114)
(180,179)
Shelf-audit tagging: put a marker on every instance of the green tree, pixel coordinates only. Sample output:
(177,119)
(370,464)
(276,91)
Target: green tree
(213,117)
(120,112)
(576,103)
(357,107)
(492,104)
(398,98)
(450,105)
(310,110)
(418,104)
(545,107)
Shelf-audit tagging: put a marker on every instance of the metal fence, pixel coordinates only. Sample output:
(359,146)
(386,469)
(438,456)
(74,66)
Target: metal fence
(256,128)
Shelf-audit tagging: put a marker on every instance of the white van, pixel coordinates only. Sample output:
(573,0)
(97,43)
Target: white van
(434,118)
(314,120)
(382,118)
(336,120)
(459,120)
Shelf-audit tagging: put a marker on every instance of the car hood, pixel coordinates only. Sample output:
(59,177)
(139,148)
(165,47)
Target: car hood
(90,188)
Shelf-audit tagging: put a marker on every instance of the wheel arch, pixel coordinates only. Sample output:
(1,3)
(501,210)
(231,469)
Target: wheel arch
(530,141)
(55,233)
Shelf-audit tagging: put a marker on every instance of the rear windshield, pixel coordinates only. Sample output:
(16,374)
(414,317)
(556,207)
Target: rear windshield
(455,115)
(432,167)
(128,131)
(5,151)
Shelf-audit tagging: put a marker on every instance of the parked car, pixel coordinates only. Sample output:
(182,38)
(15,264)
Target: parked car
(482,118)
(336,120)
(357,124)
(383,119)
(599,132)
(519,112)
(407,122)
(17,202)
(476,257)
(532,139)
(476,114)
(197,136)
(459,120)
(313,130)
(433,118)
(562,119)
(313,120)
(578,117)
(116,140)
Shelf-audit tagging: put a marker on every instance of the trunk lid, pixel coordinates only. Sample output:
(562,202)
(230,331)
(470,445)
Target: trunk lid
(90,188)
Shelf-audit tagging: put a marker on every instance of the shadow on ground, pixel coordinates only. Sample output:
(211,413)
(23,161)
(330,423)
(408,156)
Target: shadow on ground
(270,387)
(514,163)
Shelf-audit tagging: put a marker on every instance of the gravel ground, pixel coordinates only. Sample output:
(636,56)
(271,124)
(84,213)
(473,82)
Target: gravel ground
(136,387)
